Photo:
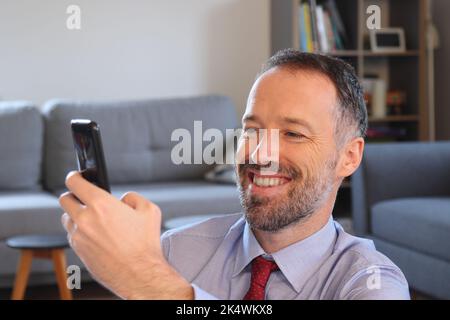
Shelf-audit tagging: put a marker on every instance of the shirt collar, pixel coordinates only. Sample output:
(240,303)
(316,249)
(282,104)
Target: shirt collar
(248,249)
(297,262)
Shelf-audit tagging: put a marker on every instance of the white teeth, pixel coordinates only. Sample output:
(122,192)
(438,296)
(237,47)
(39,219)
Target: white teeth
(267,182)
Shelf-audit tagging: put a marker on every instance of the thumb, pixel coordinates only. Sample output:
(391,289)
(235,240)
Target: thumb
(135,200)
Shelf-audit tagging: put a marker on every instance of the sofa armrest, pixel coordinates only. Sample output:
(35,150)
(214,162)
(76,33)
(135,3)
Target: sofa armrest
(360,212)
(398,170)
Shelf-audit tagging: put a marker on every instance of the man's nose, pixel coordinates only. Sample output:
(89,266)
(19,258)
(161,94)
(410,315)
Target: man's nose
(266,150)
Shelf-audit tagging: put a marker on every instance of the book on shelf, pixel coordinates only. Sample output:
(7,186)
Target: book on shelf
(320,26)
(314,26)
(337,20)
(302,30)
(329,33)
(308,27)
(322,30)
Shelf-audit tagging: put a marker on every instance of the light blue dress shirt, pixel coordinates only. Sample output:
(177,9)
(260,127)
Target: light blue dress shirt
(215,257)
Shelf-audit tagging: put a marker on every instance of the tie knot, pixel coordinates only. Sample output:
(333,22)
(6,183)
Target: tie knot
(261,265)
(261,270)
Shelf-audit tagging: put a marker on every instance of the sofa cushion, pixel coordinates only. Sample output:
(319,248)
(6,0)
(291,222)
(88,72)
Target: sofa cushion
(136,136)
(422,224)
(21,132)
(29,212)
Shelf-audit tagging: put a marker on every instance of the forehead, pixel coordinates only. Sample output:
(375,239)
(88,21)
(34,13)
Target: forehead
(281,93)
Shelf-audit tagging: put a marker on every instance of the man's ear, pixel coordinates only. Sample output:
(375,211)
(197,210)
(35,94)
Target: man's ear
(351,156)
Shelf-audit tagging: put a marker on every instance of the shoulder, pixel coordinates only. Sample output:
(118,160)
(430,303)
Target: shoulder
(200,240)
(369,274)
(213,228)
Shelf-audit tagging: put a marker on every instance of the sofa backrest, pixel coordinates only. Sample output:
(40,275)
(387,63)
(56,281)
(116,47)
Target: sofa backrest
(21,136)
(136,136)
(409,169)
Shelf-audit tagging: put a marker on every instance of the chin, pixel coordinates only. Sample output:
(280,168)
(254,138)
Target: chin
(272,213)
(272,220)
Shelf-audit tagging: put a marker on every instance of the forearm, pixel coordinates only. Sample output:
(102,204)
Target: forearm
(158,281)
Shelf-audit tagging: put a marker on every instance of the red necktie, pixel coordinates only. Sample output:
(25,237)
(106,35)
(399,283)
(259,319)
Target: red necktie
(261,270)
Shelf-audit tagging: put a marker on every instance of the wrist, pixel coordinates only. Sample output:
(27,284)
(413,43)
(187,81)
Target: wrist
(156,279)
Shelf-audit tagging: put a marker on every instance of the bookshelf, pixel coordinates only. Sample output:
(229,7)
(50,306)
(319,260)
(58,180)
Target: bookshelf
(404,72)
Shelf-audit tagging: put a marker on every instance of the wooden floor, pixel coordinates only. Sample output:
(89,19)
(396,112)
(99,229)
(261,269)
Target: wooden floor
(88,291)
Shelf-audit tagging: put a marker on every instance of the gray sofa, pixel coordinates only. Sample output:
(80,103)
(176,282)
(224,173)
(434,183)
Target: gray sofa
(37,152)
(401,199)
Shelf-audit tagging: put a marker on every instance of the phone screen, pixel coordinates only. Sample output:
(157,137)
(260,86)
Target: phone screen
(88,147)
(85,152)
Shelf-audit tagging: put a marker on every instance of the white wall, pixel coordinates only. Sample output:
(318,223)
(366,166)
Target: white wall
(132,48)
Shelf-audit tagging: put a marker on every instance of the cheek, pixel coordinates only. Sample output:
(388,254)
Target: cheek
(306,159)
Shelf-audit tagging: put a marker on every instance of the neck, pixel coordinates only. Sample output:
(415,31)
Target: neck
(274,241)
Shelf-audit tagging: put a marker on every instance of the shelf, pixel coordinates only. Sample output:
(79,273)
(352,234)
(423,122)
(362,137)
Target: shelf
(408,53)
(399,118)
(343,53)
(368,53)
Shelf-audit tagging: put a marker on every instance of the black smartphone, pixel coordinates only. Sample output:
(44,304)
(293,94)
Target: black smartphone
(89,151)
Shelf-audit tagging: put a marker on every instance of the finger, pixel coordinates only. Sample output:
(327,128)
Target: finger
(70,205)
(83,189)
(68,224)
(136,201)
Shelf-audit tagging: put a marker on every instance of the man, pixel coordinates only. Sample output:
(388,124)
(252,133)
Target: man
(286,244)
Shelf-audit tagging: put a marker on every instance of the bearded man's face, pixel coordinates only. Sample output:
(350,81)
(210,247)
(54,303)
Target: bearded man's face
(300,108)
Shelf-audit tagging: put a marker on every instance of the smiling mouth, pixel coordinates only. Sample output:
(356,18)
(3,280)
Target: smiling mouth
(267,181)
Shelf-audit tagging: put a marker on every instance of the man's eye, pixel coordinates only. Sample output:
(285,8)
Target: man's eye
(295,135)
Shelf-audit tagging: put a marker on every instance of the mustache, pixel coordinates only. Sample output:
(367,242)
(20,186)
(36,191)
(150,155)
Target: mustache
(291,172)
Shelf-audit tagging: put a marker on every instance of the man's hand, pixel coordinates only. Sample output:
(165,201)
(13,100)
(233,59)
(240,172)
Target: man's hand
(119,241)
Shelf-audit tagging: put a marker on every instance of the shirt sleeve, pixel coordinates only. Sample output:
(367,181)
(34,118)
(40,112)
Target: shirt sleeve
(200,294)
(165,244)
(376,283)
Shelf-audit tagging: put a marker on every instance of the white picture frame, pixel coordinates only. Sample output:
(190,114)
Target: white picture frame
(388,40)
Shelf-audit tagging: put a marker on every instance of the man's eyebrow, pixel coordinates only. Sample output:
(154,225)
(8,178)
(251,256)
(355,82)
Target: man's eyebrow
(297,121)
(288,120)
(249,117)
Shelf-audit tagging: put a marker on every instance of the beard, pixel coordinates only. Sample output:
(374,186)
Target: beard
(304,196)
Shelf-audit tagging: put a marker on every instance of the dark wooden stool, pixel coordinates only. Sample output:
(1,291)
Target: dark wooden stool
(43,247)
